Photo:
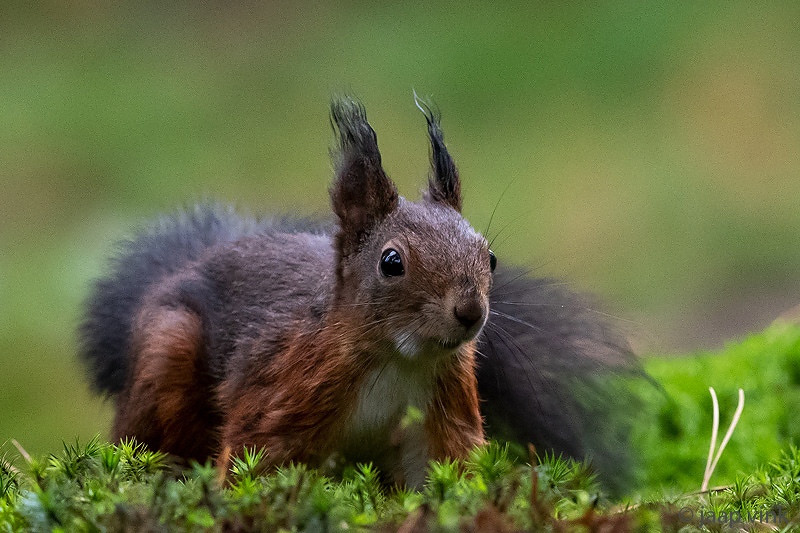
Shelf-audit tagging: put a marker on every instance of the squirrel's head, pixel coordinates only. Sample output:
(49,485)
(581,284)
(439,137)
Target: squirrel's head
(415,273)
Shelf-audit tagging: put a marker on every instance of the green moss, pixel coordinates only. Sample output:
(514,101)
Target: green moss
(101,486)
(674,432)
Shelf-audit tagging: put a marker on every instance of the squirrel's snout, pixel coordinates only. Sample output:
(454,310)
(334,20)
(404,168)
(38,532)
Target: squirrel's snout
(468,312)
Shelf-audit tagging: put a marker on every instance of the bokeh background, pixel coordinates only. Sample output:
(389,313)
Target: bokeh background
(649,153)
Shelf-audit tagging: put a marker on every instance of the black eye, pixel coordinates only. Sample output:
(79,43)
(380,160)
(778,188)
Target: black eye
(492,260)
(391,263)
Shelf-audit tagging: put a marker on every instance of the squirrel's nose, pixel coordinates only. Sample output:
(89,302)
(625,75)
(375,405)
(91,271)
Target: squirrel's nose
(468,312)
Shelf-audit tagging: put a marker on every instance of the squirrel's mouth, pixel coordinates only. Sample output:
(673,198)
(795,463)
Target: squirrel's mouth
(413,346)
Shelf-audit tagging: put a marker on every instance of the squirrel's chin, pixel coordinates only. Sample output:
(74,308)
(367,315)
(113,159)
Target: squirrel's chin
(449,345)
(416,347)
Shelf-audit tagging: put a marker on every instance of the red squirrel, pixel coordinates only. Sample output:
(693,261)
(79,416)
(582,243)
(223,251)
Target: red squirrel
(216,331)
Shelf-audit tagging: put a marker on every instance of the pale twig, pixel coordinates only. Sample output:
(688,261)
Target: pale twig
(710,466)
(714,430)
(25,455)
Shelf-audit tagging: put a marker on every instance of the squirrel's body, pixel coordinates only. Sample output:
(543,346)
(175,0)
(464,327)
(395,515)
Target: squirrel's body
(217,332)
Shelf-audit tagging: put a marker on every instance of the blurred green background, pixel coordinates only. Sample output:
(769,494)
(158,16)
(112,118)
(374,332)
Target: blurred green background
(649,152)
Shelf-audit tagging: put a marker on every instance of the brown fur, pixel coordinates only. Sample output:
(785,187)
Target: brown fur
(453,423)
(167,404)
(294,405)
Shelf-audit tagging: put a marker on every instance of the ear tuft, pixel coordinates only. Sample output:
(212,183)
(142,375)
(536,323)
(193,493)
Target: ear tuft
(444,184)
(349,123)
(362,194)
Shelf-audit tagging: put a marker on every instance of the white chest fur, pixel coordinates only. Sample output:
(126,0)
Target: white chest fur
(376,423)
(386,395)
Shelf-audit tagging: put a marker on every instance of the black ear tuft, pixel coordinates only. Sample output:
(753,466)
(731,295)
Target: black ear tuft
(349,123)
(444,185)
(362,194)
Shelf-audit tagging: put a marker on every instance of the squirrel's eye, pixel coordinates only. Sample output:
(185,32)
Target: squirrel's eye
(492,260)
(391,263)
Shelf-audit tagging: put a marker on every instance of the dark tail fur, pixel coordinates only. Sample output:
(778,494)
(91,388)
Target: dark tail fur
(550,374)
(153,254)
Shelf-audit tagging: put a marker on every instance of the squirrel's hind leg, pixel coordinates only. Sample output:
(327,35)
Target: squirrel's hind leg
(168,401)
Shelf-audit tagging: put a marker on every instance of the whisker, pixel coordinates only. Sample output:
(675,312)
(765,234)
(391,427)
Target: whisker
(567,306)
(517,320)
(495,367)
(499,297)
(378,376)
(615,317)
(521,357)
(513,222)
(497,204)
(375,302)
(362,329)
(411,335)
(543,379)
(522,274)
(535,304)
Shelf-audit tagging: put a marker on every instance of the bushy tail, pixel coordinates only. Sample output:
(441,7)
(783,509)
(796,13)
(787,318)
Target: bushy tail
(551,374)
(153,254)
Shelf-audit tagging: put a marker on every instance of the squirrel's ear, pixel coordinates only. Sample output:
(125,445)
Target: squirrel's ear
(444,185)
(362,194)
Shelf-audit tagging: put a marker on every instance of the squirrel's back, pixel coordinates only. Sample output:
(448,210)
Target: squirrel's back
(161,249)
(264,284)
